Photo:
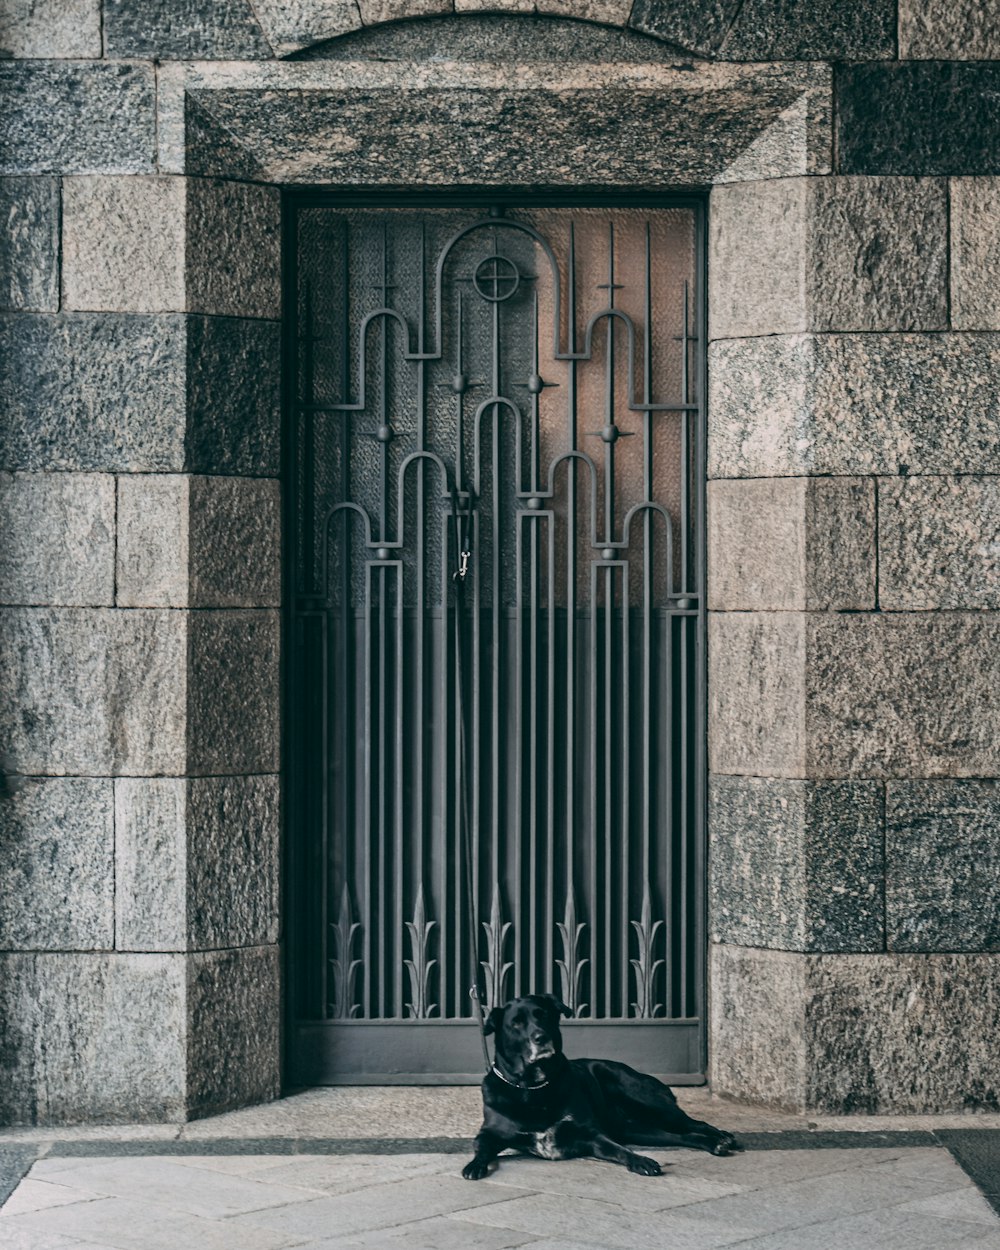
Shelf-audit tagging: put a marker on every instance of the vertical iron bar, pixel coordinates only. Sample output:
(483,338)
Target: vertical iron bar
(399,780)
(571,725)
(683,691)
(685,454)
(496,649)
(700,738)
(624,769)
(419,717)
(592,848)
(550,774)
(533,745)
(609,784)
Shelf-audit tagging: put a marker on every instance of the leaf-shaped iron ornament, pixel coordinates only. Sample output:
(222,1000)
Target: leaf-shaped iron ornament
(494,967)
(571,967)
(419,967)
(646,967)
(343,967)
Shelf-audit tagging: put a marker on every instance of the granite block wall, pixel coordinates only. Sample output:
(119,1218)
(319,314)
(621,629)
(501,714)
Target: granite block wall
(853,158)
(853,539)
(140,583)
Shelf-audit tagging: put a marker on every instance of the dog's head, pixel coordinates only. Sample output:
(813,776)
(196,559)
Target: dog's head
(527,1030)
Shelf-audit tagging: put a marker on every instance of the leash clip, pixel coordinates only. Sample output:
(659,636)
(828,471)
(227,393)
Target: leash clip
(463,566)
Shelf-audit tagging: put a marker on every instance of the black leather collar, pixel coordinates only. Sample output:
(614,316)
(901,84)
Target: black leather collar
(516,1084)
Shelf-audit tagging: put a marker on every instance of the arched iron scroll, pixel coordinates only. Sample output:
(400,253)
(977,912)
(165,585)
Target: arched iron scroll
(542,371)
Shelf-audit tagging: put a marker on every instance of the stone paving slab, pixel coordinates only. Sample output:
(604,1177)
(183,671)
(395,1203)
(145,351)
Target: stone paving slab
(380,1112)
(860,1198)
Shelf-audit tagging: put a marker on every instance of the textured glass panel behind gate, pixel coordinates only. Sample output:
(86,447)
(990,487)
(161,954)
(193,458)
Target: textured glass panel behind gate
(540,369)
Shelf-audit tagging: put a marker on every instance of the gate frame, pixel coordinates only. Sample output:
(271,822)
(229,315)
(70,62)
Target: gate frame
(294,199)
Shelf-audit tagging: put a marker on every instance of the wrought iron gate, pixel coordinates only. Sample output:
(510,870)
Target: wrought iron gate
(543,367)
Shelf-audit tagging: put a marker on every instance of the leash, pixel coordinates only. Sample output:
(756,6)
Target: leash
(463,554)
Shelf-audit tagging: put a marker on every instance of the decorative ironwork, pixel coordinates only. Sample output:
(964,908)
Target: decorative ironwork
(343,967)
(496,968)
(542,368)
(420,966)
(646,966)
(571,966)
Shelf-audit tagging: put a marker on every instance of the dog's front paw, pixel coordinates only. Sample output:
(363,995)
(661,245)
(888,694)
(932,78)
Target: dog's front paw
(643,1166)
(475,1170)
(726,1145)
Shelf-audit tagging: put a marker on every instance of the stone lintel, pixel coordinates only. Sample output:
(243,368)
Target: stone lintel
(533,124)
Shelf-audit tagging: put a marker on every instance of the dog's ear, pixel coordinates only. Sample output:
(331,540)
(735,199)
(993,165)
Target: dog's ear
(558,1004)
(493,1021)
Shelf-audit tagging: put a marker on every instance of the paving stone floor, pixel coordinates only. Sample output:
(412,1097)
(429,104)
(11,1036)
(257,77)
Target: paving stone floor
(380,1168)
(876,1198)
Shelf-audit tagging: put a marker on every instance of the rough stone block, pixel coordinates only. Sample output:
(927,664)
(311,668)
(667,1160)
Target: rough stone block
(494,6)
(796,865)
(878,254)
(758,255)
(961,30)
(918,117)
(57,849)
(99,392)
(58,539)
(235,526)
(167,244)
(607,12)
(903,695)
(782,544)
(92,1037)
(771,30)
(838,695)
(233,1015)
(50,29)
(158,393)
(892,1034)
(939,542)
(123,244)
(234,397)
(196,862)
(234,697)
(828,254)
(151,864)
(863,1034)
(153,554)
(232,891)
(975,253)
(853,405)
(198,542)
(757,1025)
(694,25)
(183,30)
(942,888)
(233,249)
(92,691)
(289,27)
(76,119)
(29,259)
(756,691)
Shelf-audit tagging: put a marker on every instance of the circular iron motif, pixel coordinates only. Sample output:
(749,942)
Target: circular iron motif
(496,278)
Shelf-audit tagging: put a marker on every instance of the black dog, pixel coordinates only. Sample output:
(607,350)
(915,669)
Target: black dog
(537,1101)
